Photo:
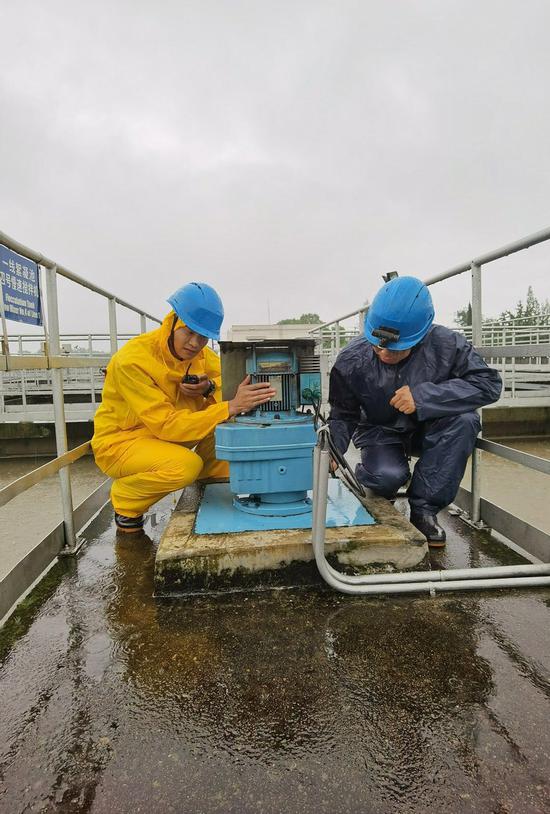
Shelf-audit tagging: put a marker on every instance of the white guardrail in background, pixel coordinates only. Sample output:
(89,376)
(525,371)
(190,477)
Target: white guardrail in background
(525,369)
(27,395)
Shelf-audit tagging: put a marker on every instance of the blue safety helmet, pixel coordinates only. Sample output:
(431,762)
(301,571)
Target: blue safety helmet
(400,315)
(199,306)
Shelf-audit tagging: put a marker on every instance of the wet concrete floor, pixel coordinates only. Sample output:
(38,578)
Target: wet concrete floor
(293,701)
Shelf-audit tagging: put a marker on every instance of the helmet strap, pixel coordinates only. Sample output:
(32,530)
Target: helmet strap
(171,339)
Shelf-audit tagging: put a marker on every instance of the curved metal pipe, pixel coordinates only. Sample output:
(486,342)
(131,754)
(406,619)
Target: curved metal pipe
(413,582)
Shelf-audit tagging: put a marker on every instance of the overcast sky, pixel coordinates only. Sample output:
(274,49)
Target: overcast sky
(288,153)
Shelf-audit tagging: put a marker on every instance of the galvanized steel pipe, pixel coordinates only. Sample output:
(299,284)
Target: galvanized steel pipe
(464,579)
(495,254)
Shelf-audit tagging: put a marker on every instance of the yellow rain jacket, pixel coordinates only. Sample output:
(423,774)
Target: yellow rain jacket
(142,400)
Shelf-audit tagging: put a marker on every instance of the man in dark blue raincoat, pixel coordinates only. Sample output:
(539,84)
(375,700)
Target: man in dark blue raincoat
(409,386)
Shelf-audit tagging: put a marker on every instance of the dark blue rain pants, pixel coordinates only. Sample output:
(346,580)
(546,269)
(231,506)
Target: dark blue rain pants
(443,446)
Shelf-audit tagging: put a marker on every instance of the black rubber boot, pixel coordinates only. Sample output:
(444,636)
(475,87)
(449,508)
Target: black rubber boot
(430,528)
(129,525)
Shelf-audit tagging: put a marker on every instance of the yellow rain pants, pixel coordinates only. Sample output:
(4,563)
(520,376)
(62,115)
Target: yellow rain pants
(148,436)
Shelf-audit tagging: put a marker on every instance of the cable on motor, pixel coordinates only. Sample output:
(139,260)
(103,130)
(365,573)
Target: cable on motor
(344,472)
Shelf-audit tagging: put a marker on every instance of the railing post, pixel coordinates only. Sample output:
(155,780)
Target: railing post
(23,375)
(59,408)
(5,345)
(143,323)
(476,341)
(92,371)
(503,362)
(112,325)
(337,337)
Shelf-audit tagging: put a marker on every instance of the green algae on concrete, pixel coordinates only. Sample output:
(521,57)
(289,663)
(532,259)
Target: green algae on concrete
(189,563)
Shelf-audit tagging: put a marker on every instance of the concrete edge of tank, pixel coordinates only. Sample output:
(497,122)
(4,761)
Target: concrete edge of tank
(187,563)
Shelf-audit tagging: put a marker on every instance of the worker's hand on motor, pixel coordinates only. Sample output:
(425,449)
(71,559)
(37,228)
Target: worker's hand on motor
(198,389)
(249,396)
(403,400)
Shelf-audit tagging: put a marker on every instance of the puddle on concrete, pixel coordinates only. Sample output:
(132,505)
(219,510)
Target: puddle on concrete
(296,701)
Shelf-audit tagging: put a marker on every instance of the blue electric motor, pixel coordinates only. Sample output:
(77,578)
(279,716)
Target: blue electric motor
(270,450)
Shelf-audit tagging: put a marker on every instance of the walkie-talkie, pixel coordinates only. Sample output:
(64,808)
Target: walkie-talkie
(190,378)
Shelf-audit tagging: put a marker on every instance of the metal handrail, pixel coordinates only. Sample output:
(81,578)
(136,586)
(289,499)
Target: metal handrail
(513,351)
(17,487)
(515,455)
(54,361)
(544,322)
(41,260)
(73,335)
(475,266)
(339,319)
(489,257)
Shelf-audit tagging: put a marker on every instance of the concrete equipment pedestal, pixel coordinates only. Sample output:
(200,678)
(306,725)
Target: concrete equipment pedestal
(189,562)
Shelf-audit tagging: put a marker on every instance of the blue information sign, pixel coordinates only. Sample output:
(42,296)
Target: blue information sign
(20,283)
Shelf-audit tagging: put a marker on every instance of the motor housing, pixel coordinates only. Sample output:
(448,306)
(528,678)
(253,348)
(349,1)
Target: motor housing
(270,449)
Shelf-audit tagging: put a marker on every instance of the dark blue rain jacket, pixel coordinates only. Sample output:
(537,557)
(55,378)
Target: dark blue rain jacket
(444,372)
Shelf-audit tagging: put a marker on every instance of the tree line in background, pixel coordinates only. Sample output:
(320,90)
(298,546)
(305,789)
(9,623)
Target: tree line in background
(532,312)
(305,319)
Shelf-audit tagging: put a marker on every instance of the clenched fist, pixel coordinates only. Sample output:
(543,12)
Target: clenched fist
(403,400)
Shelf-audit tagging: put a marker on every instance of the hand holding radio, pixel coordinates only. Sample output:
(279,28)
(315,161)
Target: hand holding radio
(190,378)
(192,385)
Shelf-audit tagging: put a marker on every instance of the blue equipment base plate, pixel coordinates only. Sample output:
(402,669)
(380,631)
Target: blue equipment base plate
(217,515)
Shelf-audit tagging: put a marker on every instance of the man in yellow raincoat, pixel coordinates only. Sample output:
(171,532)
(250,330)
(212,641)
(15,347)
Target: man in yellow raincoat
(154,429)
